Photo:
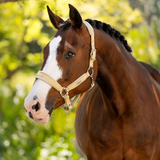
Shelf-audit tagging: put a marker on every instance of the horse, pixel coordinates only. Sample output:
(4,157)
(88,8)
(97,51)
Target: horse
(117,116)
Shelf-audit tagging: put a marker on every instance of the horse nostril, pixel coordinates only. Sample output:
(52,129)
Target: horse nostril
(30,115)
(36,107)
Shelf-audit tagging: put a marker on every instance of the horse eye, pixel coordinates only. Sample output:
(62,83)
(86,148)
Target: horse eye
(69,55)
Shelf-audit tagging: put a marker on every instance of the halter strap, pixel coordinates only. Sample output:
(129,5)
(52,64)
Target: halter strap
(65,90)
(93,50)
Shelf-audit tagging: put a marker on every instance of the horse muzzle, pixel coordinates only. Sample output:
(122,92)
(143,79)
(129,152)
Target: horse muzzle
(37,111)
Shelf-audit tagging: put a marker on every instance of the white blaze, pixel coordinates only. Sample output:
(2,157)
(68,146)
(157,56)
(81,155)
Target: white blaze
(41,88)
(51,67)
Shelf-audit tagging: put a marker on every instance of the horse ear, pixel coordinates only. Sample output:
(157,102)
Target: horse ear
(75,17)
(55,20)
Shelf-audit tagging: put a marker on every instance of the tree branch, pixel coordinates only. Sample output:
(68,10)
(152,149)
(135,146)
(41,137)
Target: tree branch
(11,73)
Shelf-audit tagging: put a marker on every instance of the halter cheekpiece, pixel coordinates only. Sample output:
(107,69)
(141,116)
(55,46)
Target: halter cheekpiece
(65,90)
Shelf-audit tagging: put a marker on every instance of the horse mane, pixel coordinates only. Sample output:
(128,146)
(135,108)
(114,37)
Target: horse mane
(111,31)
(105,27)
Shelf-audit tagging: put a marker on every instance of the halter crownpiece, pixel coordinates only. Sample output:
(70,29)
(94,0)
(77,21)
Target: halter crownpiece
(65,90)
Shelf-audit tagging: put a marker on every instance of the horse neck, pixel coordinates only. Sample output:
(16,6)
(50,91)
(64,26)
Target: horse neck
(114,72)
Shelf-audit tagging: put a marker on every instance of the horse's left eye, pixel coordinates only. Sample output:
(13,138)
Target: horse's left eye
(69,55)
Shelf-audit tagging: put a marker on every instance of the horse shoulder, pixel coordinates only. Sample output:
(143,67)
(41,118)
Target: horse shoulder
(155,75)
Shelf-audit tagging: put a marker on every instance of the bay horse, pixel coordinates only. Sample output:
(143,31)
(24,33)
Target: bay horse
(118,115)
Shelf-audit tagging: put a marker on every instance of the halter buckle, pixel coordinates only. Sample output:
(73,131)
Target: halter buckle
(91,76)
(64,89)
(93,55)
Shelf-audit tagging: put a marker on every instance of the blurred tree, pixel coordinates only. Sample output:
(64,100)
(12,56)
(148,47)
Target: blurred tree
(149,32)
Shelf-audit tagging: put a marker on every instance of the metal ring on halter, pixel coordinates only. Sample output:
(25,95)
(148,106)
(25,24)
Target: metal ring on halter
(67,112)
(64,90)
(91,70)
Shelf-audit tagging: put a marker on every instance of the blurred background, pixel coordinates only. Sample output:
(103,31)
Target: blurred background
(24,31)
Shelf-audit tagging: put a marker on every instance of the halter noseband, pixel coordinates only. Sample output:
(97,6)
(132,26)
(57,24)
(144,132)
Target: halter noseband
(64,90)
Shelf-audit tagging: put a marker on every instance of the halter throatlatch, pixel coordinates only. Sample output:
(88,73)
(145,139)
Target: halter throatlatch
(64,91)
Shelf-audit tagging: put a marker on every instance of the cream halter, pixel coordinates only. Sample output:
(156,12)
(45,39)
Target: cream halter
(43,76)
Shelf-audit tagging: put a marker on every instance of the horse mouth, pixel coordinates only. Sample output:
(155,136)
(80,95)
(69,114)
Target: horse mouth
(45,119)
(42,120)
(36,120)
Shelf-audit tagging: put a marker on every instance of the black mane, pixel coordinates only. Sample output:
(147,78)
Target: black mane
(106,28)
(111,31)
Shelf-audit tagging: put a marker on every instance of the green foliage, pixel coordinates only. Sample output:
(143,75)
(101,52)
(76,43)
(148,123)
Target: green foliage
(146,38)
(23,34)
(24,31)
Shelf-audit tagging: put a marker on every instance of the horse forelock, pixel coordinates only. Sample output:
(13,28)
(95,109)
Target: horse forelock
(66,24)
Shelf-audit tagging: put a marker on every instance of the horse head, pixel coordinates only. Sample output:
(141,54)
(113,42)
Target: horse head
(68,69)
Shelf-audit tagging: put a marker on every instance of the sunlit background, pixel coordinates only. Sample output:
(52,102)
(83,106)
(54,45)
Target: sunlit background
(24,31)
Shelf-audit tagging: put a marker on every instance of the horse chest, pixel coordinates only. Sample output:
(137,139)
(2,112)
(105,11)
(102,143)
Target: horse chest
(98,135)
(108,142)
